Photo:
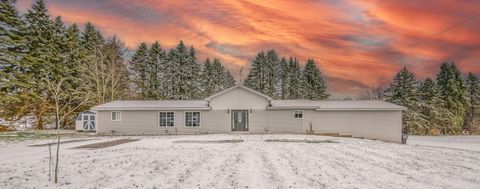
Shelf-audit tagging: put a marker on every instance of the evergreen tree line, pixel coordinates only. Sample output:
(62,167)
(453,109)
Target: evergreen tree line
(282,79)
(158,74)
(48,68)
(51,70)
(447,105)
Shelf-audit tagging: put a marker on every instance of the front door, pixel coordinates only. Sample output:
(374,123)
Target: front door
(239,120)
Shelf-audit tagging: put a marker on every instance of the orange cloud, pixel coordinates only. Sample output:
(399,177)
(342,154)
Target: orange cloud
(357,44)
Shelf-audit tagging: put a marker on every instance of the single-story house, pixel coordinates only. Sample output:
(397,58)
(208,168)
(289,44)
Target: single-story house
(240,109)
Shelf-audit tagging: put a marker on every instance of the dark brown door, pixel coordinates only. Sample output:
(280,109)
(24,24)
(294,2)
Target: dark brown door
(239,120)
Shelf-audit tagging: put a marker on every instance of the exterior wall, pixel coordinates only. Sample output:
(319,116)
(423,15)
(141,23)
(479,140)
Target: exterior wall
(239,99)
(281,121)
(78,125)
(215,121)
(147,122)
(380,125)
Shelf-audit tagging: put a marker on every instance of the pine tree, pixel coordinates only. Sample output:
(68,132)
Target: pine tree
(183,70)
(272,63)
(194,73)
(207,79)
(91,39)
(256,78)
(451,88)
(14,80)
(12,38)
(218,76)
(284,79)
(295,87)
(472,94)
(41,47)
(140,71)
(229,80)
(403,91)
(313,83)
(75,54)
(433,108)
(155,62)
(59,67)
(215,78)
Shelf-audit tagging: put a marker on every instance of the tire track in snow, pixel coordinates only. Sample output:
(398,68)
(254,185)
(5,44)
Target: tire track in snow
(311,167)
(289,170)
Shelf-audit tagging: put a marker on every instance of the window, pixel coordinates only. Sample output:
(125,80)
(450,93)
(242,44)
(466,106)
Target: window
(167,119)
(192,119)
(297,114)
(116,116)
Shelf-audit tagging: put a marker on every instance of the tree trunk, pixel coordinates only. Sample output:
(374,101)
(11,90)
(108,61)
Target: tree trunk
(57,123)
(39,117)
(56,160)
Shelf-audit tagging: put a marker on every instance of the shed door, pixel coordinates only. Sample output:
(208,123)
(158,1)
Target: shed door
(239,120)
(88,122)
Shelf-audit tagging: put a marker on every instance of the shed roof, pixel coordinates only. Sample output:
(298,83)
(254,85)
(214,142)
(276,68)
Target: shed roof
(155,105)
(334,105)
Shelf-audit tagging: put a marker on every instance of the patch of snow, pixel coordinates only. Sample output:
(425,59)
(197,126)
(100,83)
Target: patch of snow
(27,122)
(470,142)
(157,161)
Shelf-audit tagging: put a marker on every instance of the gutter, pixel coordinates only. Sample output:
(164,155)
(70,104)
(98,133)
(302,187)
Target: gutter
(316,108)
(150,108)
(361,109)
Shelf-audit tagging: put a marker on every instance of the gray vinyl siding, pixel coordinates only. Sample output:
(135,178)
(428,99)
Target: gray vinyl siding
(382,125)
(147,122)
(281,121)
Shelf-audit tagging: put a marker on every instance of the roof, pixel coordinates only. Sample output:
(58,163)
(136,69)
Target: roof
(238,86)
(319,105)
(332,105)
(155,105)
(88,112)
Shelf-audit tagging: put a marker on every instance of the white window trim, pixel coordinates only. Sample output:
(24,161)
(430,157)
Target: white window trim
(119,113)
(185,120)
(297,111)
(166,126)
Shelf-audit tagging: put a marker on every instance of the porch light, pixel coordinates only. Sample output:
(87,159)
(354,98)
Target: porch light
(228,111)
(251,111)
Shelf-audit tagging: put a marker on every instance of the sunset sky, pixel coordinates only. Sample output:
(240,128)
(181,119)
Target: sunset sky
(357,44)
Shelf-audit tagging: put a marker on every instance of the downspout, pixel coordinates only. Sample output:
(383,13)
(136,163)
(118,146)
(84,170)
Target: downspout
(268,111)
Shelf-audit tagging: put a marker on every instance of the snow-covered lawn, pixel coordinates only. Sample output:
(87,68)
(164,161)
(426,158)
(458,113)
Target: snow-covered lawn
(159,162)
(457,142)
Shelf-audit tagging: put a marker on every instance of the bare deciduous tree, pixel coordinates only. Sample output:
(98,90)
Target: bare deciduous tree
(67,100)
(371,94)
(106,72)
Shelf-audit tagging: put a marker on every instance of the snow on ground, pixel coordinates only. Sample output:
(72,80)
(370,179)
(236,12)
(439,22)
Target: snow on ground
(158,162)
(457,142)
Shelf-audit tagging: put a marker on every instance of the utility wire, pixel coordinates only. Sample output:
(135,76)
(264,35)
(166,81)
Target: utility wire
(444,30)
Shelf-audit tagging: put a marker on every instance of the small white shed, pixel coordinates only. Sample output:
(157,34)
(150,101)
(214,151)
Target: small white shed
(86,121)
